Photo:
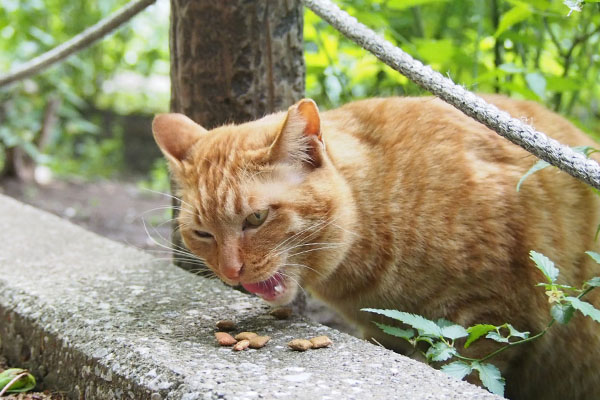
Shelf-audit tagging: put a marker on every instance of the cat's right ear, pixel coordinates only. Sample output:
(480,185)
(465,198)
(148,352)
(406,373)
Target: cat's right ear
(300,138)
(175,134)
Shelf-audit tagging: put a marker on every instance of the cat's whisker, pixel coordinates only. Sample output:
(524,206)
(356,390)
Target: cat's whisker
(321,225)
(168,195)
(346,230)
(306,267)
(295,281)
(296,235)
(287,249)
(311,250)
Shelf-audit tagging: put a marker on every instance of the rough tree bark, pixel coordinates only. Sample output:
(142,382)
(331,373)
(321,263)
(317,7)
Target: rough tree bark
(234,61)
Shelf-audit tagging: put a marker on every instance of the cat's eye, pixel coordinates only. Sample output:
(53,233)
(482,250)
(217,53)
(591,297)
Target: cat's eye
(202,234)
(256,219)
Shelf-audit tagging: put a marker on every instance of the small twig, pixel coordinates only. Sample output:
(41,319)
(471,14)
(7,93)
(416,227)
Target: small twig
(12,382)
(76,43)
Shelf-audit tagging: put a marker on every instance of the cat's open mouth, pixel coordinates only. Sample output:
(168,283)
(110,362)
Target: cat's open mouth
(269,289)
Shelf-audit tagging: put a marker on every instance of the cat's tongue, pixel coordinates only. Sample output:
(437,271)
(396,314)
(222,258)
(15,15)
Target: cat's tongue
(268,289)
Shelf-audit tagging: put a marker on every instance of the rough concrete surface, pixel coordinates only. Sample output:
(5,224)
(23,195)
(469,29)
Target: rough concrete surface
(100,320)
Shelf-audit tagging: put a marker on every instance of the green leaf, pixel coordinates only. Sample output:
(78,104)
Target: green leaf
(454,331)
(24,384)
(537,83)
(585,308)
(541,164)
(457,369)
(516,333)
(594,282)
(418,322)
(476,331)
(545,265)
(497,337)
(595,256)
(440,351)
(395,331)
(490,377)
(404,4)
(562,313)
(517,14)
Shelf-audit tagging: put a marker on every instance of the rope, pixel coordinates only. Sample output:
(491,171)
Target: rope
(76,43)
(515,130)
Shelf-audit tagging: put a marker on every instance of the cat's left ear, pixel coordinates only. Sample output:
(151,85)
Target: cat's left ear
(175,134)
(300,138)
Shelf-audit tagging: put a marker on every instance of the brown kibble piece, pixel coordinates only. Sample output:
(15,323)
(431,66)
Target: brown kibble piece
(225,339)
(281,312)
(300,344)
(259,341)
(225,325)
(320,341)
(245,335)
(241,345)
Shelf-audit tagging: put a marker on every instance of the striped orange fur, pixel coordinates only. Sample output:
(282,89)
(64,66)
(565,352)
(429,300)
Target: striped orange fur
(400,203)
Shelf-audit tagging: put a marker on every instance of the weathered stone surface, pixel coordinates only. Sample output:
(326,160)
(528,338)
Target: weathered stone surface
(103,321)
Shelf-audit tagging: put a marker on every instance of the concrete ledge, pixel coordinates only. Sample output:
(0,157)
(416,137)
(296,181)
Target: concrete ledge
(100,320)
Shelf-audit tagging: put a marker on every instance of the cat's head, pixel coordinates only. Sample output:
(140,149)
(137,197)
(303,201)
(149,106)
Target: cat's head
(261,202)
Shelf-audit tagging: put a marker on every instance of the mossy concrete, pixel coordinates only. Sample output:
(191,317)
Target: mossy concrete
(100,320)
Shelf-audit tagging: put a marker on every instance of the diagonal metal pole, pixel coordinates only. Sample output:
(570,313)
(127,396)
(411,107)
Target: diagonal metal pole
(513,129)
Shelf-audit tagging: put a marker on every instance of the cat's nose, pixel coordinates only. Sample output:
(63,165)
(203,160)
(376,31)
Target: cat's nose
(232,270)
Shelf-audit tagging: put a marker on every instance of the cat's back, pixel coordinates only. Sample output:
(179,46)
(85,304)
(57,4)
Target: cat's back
(384,122)
(439,193)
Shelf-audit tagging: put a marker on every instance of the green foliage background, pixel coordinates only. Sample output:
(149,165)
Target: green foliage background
(525,49)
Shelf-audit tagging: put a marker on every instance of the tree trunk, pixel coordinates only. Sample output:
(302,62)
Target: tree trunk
(234,61)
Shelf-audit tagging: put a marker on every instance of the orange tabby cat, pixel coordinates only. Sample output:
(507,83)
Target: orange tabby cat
(400,203)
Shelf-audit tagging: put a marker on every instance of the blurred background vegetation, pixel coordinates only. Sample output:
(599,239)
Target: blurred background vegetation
(89,117)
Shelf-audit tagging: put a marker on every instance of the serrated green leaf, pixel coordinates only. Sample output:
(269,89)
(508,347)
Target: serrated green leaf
(476,331)
(513,332)
(497,337)
(541,164)
(562,313)
(440,351)
(443,322)
(517,14)
(24,384)
(427,327)
(457,369)
(585,308)
(595,256)
(454,332)
(395,331)
(490,377)
(594,282)
(545,265)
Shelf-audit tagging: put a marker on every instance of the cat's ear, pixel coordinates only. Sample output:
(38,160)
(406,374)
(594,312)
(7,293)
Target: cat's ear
(300,139)
(175,134)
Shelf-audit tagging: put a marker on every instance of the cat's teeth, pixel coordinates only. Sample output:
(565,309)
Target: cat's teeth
(278,288)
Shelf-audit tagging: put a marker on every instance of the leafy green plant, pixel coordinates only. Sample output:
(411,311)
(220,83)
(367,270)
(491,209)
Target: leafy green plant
(16,380)
(441,335)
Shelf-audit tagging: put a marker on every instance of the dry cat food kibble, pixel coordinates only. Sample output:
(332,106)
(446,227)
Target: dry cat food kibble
(257,342)
(314,343)
(245,335)
(241,345)
(300,344)
(225,325)
(281,312)
(320,341)
(225,339)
